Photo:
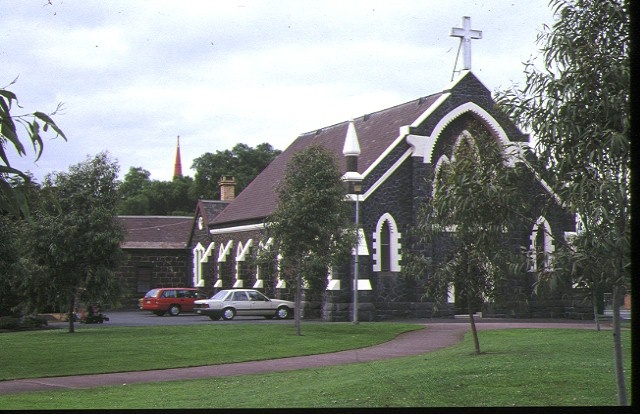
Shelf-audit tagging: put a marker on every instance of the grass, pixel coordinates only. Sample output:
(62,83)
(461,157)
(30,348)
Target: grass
(520,367)
(96,350)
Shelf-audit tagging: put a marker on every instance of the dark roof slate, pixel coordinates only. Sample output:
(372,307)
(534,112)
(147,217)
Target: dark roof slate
(376,132)
(156,232)
(209,209)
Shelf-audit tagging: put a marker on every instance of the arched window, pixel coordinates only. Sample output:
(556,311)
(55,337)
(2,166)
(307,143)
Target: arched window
(386,245)
(198,254)
(541,246)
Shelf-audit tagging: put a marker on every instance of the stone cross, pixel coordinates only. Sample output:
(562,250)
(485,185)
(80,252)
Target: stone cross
(466,34)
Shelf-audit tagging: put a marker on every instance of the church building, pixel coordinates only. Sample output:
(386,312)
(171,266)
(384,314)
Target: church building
(389,159)
(398,150)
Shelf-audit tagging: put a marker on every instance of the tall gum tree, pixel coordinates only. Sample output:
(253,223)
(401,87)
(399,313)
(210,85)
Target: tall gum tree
(577,107)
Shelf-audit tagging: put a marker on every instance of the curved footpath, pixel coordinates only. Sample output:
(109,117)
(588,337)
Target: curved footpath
(437,335)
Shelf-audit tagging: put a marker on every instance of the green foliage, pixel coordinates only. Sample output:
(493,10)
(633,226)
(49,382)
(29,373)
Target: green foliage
(142,196)
(75,237)
(313,220)
(139,195)
(242,162)
(475,202)
(35,124)
(9,322)
(578,109)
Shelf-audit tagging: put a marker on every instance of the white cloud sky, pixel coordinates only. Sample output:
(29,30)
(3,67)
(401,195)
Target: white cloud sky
(135,74)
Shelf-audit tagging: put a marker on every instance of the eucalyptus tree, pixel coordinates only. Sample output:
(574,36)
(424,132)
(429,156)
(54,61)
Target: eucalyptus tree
(577,106)
(474,203)
(312,223)
(75,237)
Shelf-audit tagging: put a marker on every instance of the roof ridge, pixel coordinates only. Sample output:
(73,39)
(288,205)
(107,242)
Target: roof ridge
(421,98)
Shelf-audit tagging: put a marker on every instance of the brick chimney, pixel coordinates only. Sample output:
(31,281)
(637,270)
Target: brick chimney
(227,185)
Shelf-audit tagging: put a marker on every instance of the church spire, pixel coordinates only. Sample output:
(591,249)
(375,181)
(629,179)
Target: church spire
(177,168)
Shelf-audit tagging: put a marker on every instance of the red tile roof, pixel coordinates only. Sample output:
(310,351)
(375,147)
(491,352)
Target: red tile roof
(156,232)
(376,132)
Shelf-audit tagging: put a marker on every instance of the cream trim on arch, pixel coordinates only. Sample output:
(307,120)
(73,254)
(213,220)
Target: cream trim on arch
(394,245)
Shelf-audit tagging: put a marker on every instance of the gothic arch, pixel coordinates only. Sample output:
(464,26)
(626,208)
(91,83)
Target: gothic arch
(541,246)
(436,172)
(465,136)
(469,107)
(386,245)
(200,256)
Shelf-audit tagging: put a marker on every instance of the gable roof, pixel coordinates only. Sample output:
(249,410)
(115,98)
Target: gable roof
(376,132)
(209,209)
(156,232)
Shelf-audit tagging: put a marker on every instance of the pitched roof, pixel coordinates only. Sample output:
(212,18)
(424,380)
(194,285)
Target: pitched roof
(156,232)
(376,132)
(209,209)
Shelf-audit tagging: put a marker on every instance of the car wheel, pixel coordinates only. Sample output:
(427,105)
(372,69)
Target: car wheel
(228,314)
(283,312)
(174,310)
(158,313)
(214,317)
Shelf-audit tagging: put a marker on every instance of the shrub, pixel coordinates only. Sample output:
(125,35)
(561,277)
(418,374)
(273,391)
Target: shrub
(33,322)
(8,322)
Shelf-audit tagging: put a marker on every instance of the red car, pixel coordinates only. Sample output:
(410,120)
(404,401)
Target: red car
(172,300)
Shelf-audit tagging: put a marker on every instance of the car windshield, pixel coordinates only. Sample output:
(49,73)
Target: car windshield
(151,294)
(220,295)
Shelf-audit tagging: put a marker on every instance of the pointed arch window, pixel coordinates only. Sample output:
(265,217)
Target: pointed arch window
(542,248)
(386,245)
(200,256)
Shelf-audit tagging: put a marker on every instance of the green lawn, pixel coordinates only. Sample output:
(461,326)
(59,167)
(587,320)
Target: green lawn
(112,349)
(520,367)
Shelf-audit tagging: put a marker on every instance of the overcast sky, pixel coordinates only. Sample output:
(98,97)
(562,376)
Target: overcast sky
(133,75)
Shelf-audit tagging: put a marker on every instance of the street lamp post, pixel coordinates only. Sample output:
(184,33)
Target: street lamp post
(353,178)
(357,188)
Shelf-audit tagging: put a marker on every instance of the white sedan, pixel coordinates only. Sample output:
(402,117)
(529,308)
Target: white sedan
(226,304)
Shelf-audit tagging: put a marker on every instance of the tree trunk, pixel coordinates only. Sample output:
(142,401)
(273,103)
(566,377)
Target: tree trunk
(72,302)
(595,309)
(617,348)
(298,311)
(474,331)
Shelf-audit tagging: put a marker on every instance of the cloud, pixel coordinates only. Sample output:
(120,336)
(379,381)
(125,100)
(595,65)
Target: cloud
(133,75)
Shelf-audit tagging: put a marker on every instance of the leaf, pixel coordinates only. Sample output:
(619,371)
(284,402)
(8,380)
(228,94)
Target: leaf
(49,122)
(8,95)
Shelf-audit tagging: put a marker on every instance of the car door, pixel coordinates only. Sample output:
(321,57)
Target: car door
(189,296)
(260,304)
(240,301)
(183,298)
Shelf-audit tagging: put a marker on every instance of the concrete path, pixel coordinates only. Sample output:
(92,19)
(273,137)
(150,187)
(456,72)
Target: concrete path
(437,335)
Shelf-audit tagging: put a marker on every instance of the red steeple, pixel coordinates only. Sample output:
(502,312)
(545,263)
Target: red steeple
(177,168)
